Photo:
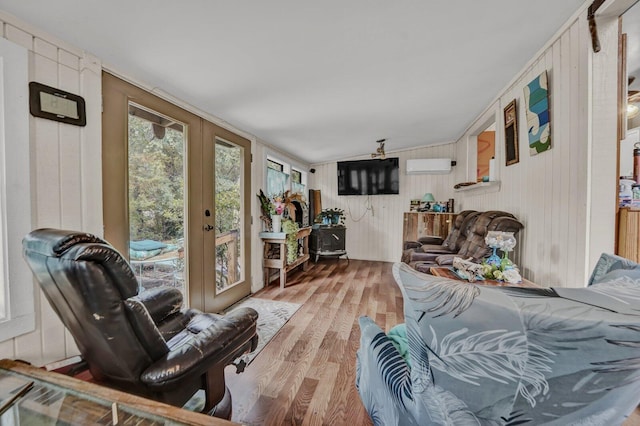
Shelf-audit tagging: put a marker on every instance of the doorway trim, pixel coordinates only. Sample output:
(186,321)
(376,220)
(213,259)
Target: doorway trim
(117,93)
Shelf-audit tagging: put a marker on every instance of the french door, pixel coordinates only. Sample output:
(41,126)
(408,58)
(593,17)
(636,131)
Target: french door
(176,196)
(226,181)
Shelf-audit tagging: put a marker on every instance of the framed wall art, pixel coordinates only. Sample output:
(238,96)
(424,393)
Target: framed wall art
(511,133)
(536,98)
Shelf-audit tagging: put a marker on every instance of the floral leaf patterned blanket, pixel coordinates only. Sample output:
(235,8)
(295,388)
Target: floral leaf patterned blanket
(483,355)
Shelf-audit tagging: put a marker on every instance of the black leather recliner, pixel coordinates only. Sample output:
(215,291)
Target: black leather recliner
(143,343)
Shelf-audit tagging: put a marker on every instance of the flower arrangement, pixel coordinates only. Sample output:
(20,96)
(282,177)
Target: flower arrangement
(278,204)
(504,241)
(496,268)
(503,271)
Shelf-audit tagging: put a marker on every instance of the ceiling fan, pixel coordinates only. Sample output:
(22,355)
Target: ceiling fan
(380,150)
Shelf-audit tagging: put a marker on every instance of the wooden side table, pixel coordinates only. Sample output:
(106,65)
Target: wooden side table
(275,254)
(446,272)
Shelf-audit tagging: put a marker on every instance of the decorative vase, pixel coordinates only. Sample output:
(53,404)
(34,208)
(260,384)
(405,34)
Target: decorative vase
(276,223)
(494,259)
(506,263)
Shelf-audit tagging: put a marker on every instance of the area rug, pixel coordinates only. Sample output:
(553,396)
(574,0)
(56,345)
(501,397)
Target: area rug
(272,315)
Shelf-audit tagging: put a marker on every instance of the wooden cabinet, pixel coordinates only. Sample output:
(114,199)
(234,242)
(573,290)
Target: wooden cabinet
(275,254)
(422,224)
(629,233)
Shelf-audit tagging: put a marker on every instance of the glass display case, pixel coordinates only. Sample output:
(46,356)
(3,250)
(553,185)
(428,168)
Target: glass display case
(56,399)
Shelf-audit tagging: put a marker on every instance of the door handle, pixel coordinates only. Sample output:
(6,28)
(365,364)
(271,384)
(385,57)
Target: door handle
(208,227)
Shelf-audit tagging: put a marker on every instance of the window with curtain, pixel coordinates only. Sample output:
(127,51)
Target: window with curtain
(282,176)
(296,181)
(277,182)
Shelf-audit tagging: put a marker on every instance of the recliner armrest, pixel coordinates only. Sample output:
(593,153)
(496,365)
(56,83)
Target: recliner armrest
(418,256)
(161,302)
(174,324)
(446,259)
(432,248)
(410,245)
(207,341)
(431,239)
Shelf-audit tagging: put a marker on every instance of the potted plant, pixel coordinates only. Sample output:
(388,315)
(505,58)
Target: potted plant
(333,216)
(267,209)
(291,228)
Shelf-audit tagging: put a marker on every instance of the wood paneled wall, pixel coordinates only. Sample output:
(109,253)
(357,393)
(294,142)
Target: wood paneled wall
(374,223)
(550,192)
(66,172)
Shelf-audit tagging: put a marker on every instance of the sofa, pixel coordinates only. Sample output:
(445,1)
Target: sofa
(469,354)
(473,247)
(435,244)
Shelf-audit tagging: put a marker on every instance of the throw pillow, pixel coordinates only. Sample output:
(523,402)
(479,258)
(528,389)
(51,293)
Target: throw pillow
(398,336)
(611,267)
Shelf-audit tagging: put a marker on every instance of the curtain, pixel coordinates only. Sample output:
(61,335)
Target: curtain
(276,182)
(297,187)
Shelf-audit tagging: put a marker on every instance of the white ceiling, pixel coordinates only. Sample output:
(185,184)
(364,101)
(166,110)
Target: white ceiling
(322,80)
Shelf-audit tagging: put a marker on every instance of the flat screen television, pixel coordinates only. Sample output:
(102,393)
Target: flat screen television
(369,177)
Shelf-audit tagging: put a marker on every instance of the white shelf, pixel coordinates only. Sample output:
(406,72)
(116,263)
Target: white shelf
(480,187)
(273,235)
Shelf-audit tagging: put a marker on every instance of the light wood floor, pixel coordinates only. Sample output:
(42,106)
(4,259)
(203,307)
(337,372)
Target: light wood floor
(306,374)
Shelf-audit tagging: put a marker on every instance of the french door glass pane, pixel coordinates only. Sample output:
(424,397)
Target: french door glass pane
(156,199)
(229,214)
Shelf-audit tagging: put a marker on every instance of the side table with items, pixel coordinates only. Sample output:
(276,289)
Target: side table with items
(275,253)
(328,240)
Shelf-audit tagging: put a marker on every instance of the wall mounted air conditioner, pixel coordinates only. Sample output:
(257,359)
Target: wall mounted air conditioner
(432,166)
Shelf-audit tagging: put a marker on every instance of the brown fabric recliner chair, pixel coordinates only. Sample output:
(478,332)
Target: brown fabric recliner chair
(466,233)
(142,343)
(474,247)
(416,250)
